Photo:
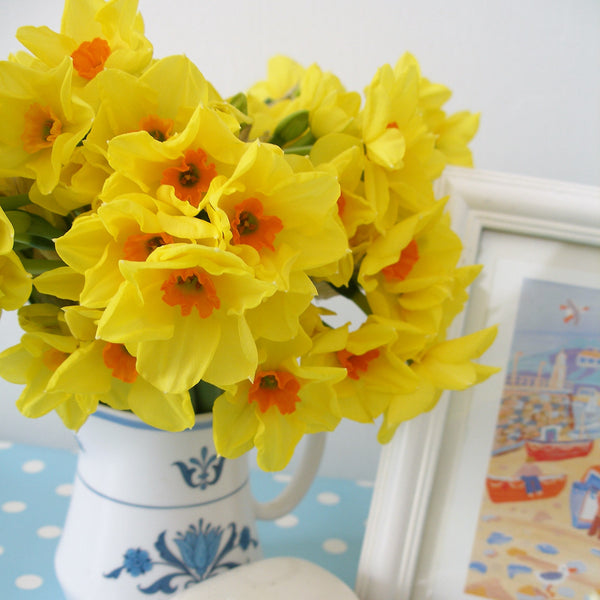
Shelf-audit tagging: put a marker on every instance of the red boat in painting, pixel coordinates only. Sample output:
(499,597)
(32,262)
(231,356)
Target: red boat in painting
(556,450)
(512,489)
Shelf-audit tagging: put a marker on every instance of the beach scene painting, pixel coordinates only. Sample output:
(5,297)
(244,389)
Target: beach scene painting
(538,531)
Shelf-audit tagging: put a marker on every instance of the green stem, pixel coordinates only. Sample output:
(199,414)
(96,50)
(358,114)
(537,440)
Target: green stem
(361,301)
(353,292)
(13,202)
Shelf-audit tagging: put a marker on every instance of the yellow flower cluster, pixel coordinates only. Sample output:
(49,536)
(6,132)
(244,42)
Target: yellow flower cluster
(179,240)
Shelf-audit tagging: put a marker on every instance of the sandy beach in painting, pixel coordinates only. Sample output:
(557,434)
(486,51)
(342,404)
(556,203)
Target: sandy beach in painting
(519,541)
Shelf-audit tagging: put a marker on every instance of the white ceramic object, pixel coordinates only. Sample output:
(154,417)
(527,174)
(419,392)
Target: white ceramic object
(153,512)
(273,579)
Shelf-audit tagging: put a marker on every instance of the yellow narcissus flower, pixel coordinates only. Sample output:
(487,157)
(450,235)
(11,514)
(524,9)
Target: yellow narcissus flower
(278,317)
(375,373)
(42,122)
(94,35)
(344,153)
(161,102)
(411,268)
(399,146)
(78,186)
(182,314)
(187,163)
(290,88)
(283,77)
(127,228)
(47,342)
(390,109)
(277,214)
(448,365)
(64,368)
(440,319)
(453,133)
(107,372)
(282,402)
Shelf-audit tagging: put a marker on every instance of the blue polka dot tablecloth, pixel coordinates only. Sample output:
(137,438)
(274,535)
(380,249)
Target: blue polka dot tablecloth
(327,527)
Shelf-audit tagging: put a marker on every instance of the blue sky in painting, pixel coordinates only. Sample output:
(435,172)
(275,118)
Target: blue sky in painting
(540,327)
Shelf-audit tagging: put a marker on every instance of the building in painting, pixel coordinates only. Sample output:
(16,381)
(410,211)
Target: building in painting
(559,371)
(555,393)
(589,359)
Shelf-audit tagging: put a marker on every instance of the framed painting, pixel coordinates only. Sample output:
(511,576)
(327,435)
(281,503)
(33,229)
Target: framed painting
(496,492)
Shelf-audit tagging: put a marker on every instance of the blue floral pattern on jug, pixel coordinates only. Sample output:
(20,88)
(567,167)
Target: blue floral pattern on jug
(202,555)
(204,471)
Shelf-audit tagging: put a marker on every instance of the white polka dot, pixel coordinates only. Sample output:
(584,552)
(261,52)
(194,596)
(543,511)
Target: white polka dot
(1,550)
(335,546)
(364,483)
(287,521)
(14,506)
(65,489)
(282,477)
(33,466)
(5,445)
(328,498)
(49,531)
(28,582)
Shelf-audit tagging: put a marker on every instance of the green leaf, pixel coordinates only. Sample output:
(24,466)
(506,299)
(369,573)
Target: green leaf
(28,223)
(203,397)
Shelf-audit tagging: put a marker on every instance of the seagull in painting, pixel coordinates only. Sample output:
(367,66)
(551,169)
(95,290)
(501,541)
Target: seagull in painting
(555,577)
(572,311)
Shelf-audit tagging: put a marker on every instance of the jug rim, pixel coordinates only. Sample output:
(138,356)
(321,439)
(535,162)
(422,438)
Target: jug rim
(129,419)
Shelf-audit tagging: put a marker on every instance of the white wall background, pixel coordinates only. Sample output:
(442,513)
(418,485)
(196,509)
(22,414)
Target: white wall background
(531,67)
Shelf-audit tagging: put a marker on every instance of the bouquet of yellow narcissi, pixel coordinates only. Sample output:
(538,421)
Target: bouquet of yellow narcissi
(165,246)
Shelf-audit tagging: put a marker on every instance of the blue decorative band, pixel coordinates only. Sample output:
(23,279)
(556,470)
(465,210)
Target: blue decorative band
(135,505)
(114,417)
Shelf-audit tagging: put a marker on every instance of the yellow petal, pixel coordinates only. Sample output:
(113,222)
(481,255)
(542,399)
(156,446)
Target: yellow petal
(234,426)
(62,282)
(83,372)
(276,439)
(464,348)
(170,412)
(388,149)
(15,282)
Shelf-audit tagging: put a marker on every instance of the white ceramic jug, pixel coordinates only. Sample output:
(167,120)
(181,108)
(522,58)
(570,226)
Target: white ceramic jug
(155,512)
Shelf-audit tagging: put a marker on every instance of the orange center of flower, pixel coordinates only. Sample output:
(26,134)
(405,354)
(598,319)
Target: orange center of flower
(120,362)
(53,358)
(89,57)
(275,388)
(251,227)
(159,129)
(139,246)
(400,269)
(191,178)
(392,125)
(188,288)
(356,363)
(41,128)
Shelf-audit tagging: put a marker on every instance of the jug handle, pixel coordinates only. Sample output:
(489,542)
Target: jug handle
(298,486)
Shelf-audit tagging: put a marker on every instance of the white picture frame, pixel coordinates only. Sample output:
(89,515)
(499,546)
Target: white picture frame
(549,224)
